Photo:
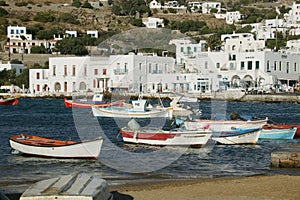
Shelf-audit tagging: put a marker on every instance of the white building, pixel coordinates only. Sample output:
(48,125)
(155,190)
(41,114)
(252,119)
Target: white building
(18,33)
(93,34)
(233,17)
(152,22)
(71,34)
(69,74)
(8,66)
(207,6)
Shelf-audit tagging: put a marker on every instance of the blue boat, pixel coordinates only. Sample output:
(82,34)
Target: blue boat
(278,134)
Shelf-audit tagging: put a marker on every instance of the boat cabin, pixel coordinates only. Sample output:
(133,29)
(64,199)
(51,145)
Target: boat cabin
(98,97)
(139,105)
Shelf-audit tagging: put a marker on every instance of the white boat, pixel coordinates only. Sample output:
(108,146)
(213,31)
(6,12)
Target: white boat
(159,137)
(278,134)
(137,109)
(74,186)
(174,137)
(224,125)
(44,147)
(240,136)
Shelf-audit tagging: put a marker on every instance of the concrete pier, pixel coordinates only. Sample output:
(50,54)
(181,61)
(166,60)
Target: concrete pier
(287,157)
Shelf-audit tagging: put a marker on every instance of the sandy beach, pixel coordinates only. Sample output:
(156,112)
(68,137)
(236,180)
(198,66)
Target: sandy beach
(256,187)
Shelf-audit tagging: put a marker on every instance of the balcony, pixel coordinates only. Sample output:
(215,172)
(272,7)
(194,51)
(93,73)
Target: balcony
(120,71)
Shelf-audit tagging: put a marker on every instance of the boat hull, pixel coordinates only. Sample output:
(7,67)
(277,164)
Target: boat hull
(224,125)
(88,104)
(250,136)
(127,113)
(283,126)
(167,138)
(89,149)
(9,102)
(278,134)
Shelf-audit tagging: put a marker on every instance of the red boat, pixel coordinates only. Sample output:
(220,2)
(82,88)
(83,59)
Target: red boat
(283,126)
(9,101)
(96,101)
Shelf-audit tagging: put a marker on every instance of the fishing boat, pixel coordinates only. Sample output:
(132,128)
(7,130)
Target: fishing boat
(97,101)
(224,125)
(283,126)
(133,133)
(237,136)
(44,147)
(278,134)
(9,101)
(137,109)
(173,137)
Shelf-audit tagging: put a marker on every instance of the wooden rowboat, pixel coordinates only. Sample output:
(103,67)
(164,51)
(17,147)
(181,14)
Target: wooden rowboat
(283,126)
(239,136)
(44,147)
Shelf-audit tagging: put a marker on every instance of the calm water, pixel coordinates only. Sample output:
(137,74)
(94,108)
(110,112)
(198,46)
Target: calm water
(50,118)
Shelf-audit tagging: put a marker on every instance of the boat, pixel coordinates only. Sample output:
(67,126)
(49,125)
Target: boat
(44,147)
(224,125)
(97,100)
(9,101)
(278,134)
(73,186)
(137,109)
(173,137)
(237,136)
(283,126)
(133,133)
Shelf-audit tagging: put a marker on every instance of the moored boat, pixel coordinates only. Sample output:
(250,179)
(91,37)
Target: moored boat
(96,101)
(283,126)
(173,137)
(224,125)
(44,147)
(278,134)
(138,109)
(237,136)
(9,101)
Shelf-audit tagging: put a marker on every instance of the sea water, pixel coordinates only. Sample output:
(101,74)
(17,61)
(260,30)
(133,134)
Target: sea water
(50,118)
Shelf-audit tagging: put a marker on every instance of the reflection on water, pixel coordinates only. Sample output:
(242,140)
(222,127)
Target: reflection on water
(50,118)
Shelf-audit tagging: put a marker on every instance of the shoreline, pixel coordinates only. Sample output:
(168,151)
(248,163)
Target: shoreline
(244,187)
(252,187)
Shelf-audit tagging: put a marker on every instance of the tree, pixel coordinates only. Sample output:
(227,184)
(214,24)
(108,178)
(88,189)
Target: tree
(38,50)
(76,3)
(68,18)
(72,46)
(86,4)
(46,16)
(3,12)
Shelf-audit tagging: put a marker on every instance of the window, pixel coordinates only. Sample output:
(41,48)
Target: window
(177,77)
(268,66)
(38,88)
(125,67)
(295,67)
(73,70)
(280,65)
(249,65)
(206,64)
(195,49)
(242,65)
(150,68)
(38,75)
(256,64)
(95,71)
(217,65)
(65,70)
(287,67)
(54,70)
(85,70)
(181,49)
(104,71)
(275,65)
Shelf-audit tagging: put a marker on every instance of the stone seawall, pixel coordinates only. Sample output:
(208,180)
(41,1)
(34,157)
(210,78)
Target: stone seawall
(288,98)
